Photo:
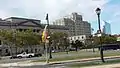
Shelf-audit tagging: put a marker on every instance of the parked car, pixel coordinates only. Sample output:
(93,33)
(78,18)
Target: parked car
(72,49)
(13,57)
(54,51)
(25,55)
(37,55)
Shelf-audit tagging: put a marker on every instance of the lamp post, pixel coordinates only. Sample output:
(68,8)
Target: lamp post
(98,11)
(50,53)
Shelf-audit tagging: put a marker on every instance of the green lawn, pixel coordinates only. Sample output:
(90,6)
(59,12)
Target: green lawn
(62,56)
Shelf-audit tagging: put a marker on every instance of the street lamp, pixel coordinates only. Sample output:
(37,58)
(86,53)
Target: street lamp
(98,11)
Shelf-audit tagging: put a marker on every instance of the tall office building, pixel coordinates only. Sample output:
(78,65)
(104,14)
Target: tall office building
(75,24)
(107,28)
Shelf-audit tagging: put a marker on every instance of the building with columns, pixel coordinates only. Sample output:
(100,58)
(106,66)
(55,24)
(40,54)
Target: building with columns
(23,24)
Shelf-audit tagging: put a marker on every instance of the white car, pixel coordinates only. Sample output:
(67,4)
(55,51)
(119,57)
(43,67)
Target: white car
(24,54)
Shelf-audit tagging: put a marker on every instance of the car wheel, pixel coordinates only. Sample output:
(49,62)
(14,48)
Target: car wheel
(30,56)
(40,54)
(19,57)
(11,57)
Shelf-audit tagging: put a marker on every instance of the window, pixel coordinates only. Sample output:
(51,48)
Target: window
(20,30)
(34,30)
(71,38)
(25,29)
(37,30)
(24,53)
(82,37)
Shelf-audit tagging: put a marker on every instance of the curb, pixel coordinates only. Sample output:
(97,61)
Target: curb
(82,60)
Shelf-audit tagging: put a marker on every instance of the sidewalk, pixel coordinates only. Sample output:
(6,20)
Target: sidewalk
(106,66)
(81,60)
(30,63)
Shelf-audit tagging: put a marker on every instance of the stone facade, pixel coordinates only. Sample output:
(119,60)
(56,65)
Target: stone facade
(22,24)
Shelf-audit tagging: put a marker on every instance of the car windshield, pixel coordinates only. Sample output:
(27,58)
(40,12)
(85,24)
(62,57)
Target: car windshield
(24,53)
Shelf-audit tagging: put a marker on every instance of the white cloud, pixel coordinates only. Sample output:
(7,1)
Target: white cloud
(55,8)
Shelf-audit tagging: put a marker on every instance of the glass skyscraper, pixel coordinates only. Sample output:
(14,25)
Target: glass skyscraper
(107,28)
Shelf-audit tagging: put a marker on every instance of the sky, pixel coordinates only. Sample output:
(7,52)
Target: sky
(56,9)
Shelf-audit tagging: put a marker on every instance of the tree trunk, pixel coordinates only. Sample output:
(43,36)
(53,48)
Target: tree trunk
(31,49)
(24,48)
(67,50)
(16,50)
(10,48)
(93,49)
(76,48)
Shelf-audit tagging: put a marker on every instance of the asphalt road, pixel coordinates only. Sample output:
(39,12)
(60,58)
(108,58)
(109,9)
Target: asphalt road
(43,57)
(19,60)
(63,65)
(7,60)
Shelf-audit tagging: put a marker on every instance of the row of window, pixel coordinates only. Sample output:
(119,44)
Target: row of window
(36,50)
(77,37)
(34,30)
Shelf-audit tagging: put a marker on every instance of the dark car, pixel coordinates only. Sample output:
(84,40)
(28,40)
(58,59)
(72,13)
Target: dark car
(13,57)
(38,54)
(110,47)
(72,49)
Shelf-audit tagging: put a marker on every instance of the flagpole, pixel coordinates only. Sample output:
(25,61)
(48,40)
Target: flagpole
(50,56)
(46,46)
(46,41)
